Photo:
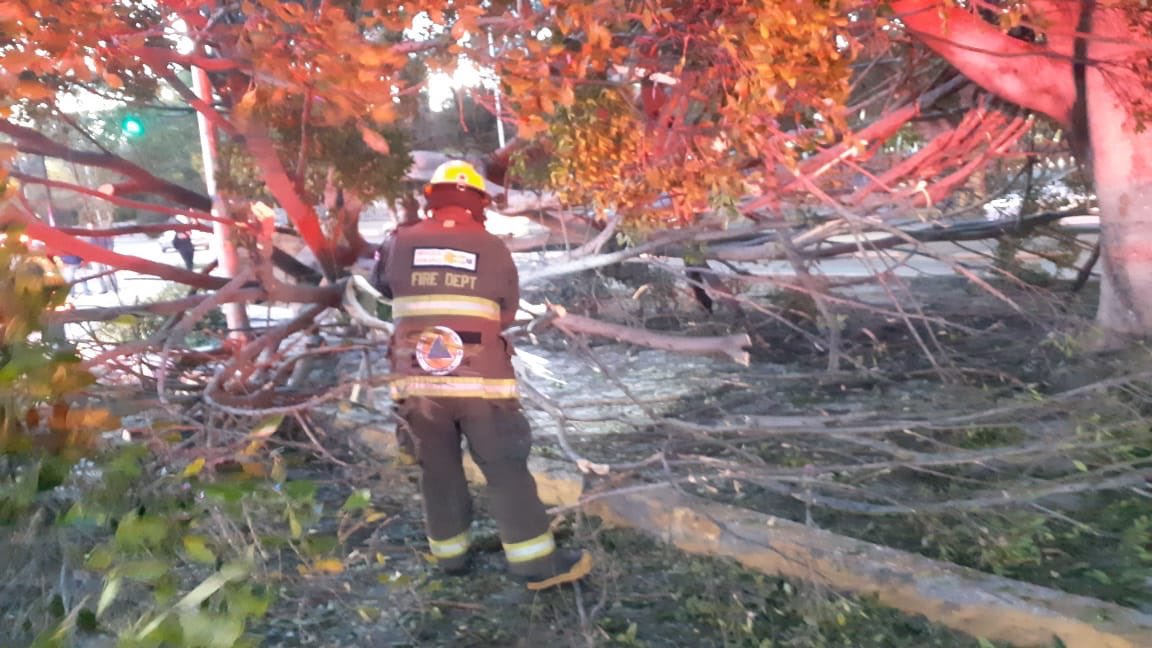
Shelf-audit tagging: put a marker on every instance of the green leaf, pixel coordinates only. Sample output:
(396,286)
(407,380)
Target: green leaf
(210,630)
(1080,465)
(301,491)
(197,549)
(247,602)
(165,589)
(294,527)
(267,427)
(358,500)
(86,621)
(162,630)
(229,572)
(228,492)
(108,595)
(319,544)
(52,637)
(148,570)
(82,514)
(141,531)
(126,462)
(99,559)
(22,358)
(53,472)
(56,607)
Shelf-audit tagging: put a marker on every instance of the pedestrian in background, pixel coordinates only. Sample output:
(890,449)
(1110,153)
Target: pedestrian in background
(74,274)
(105,274)
(182,242)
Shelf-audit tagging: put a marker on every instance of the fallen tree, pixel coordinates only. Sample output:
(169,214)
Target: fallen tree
(320,159)
(982,605)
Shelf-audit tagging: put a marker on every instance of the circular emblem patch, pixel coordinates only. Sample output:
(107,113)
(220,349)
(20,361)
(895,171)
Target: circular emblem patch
(439,350)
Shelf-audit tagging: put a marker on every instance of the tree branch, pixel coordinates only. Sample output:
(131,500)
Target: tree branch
(1023,73)
(112,198)
(161,58)
(34,143)
(164,308)
(58,242)
(280,184)
(732,346)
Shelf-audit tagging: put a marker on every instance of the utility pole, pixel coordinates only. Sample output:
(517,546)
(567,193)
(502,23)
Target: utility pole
(228,263)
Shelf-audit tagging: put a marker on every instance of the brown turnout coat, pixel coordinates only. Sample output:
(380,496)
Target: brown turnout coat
(449,272)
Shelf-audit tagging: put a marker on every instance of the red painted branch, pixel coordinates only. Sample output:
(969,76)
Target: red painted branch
(32,142)
(61,243)
(286,192)
(1023,73)
(113,198)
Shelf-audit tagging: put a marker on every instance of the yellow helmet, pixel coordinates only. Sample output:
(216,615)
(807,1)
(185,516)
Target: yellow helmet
(460,174)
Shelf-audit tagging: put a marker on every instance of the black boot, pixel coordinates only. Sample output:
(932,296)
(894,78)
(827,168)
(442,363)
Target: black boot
(560,567)
(456,566)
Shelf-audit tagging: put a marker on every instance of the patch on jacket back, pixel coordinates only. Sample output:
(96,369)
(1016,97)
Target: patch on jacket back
(443,257)
(439,351)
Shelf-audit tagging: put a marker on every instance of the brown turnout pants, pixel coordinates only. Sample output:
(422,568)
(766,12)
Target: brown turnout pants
(499,439)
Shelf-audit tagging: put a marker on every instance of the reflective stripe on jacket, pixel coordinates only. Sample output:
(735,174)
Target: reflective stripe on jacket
(445,305)
(453,387)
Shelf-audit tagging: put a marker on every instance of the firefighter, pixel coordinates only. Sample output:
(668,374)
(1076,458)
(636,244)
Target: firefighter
(454,288)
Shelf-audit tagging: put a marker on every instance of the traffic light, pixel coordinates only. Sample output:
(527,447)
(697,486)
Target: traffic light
(132,126)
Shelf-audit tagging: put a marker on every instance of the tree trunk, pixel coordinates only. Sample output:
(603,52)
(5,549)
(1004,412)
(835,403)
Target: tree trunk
(1122,169)
(980,604)
(1124,192)
(1098,102)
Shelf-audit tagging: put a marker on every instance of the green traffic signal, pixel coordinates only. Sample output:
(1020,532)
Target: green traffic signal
(132,126)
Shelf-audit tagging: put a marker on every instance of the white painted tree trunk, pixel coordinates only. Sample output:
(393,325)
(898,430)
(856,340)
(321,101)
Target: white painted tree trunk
(1122,166)
(1041,76)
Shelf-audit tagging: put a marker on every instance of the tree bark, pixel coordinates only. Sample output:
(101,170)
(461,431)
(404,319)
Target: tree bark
(980,604)
(228,261)
(1026,74)
(1122,168)
(1083,78)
